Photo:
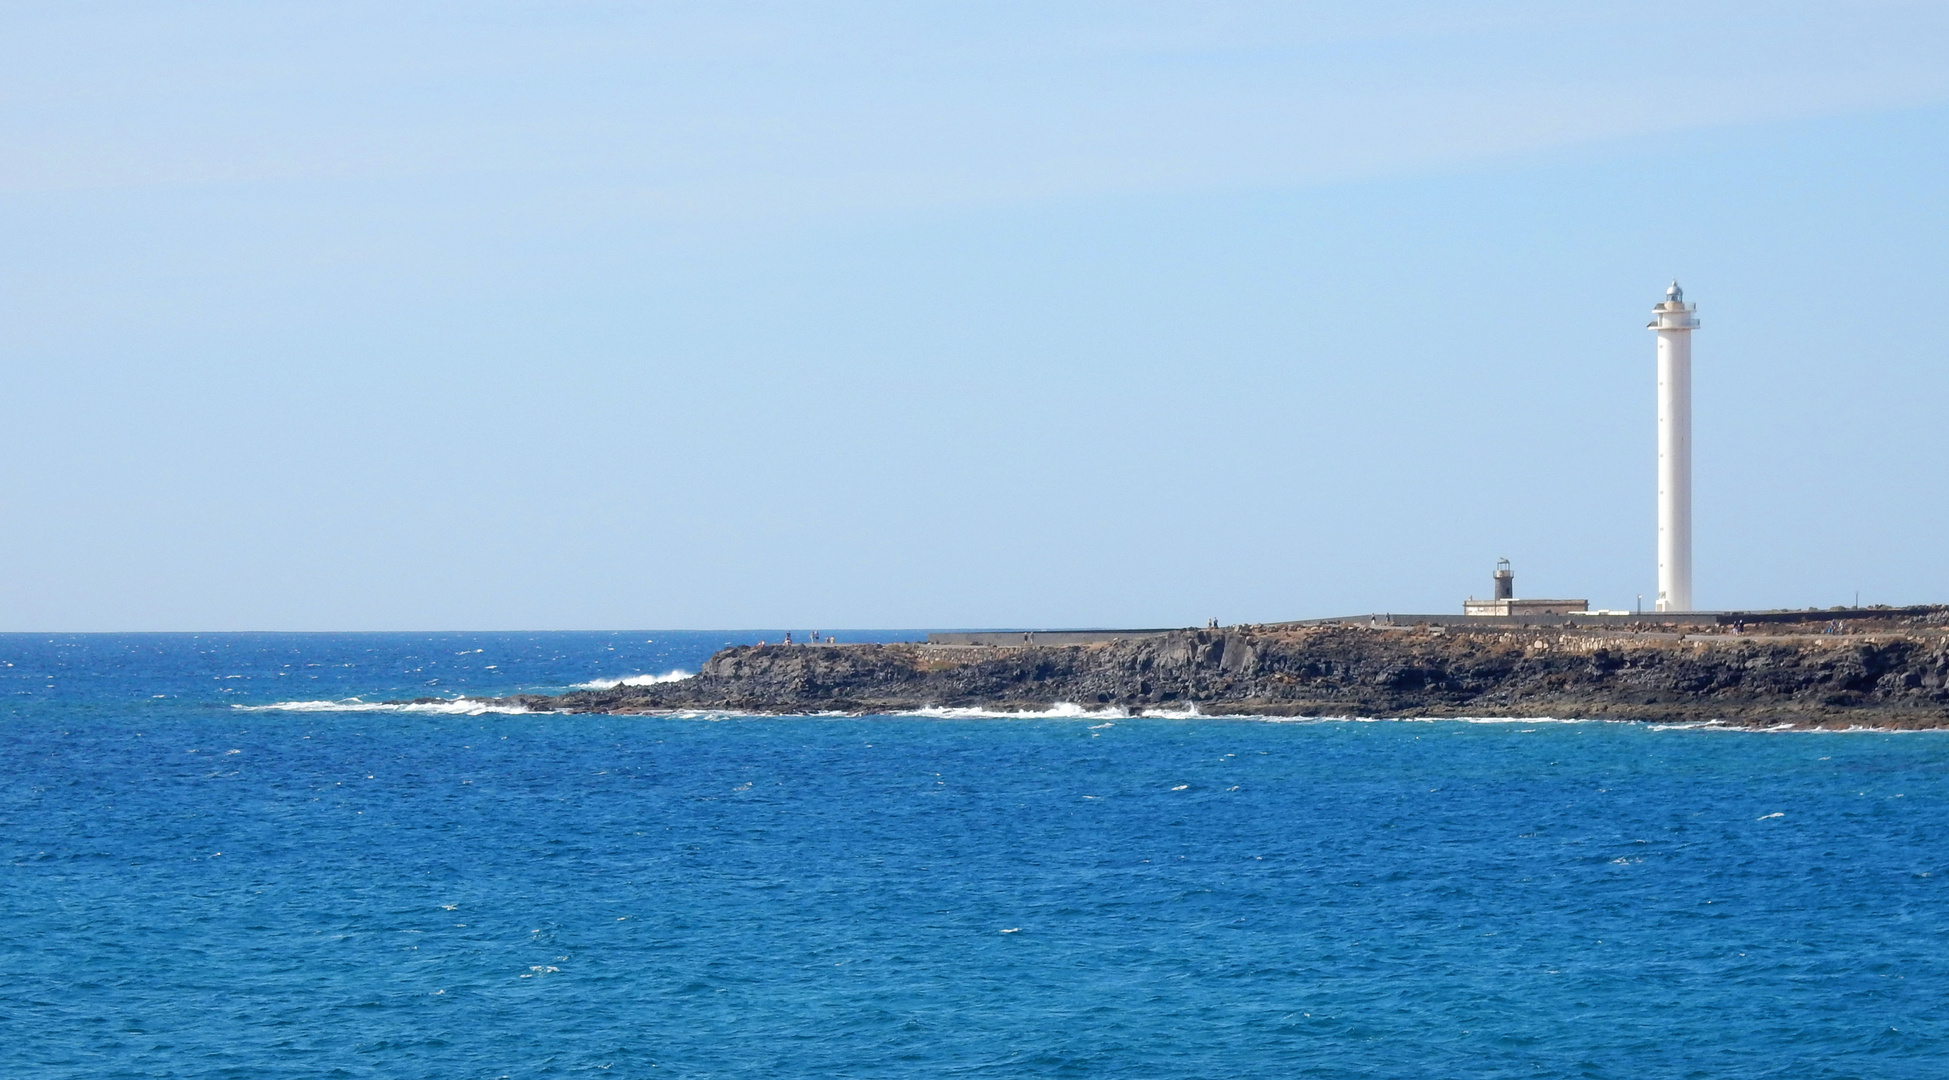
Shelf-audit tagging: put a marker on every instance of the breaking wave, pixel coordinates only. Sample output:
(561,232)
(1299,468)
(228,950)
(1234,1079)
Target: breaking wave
(674,675)
(1068,711)
(1062,710)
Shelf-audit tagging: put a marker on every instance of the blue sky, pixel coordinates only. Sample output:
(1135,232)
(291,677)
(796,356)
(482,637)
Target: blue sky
(592,315)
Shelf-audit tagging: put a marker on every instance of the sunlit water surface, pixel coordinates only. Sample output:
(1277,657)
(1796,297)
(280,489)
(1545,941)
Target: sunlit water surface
(198,886)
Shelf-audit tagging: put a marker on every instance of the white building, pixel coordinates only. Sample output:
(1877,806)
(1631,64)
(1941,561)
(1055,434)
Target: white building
(1674,322)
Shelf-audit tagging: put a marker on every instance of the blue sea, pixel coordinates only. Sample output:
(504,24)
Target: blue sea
(223,860)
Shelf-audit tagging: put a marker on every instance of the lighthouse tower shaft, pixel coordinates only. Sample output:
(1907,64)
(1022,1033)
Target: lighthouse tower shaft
(1674,322)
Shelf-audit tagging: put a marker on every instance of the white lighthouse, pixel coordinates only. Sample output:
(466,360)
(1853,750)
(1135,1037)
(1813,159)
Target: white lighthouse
(1674,322)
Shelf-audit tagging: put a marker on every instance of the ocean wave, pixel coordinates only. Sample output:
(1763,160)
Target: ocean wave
(674,675)
(1069,711)
(1062,710)
(1532,720)
(1786,728)
(1324,719)
(449,707)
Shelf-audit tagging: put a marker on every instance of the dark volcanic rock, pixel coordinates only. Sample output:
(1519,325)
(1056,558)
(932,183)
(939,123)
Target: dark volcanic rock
(1895,679)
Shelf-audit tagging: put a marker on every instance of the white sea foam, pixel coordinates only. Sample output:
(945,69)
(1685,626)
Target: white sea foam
(450,707)
(1526,720)
(1061,710)
(674,675)
(715,715)
(1793,729)
(1687,725)
(1064,710)
(1423,720)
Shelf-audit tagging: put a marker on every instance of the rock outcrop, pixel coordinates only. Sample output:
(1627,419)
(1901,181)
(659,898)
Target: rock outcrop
(1888,676)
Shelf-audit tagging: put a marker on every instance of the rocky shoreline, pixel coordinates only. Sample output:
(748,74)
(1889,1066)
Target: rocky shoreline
(1891,673)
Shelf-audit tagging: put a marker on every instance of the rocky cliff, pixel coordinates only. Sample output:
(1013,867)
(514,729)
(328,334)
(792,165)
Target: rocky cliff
(1885,676)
